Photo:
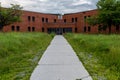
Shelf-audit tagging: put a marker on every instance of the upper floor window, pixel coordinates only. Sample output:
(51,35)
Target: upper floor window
(65,20)
(76,19)
(33,18)
(54,20)
(29,18)
(46,19)
(43,20)
(72,19)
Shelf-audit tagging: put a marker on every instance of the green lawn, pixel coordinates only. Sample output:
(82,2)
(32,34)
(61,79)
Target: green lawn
(20,52)
(100,54)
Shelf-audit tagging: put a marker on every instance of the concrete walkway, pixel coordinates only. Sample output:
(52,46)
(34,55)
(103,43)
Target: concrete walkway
(59,62)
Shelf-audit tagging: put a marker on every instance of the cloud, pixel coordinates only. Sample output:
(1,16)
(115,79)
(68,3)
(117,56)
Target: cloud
(53,6)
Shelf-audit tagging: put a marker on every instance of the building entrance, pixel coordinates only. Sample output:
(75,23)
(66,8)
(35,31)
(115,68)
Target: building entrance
(59,31)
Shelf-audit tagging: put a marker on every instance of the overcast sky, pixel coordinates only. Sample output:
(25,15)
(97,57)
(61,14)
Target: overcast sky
(53,6)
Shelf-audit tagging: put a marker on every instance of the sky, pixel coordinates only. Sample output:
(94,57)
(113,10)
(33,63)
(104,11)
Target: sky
(53,6)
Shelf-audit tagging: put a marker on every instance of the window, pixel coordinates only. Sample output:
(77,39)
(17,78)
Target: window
(89,28)
(33,18)
(64,20)
(75,29)
(43,19)
(76,19)
(85,17)
(13,28)
(72,19)
(33,28)
(29,29)
(89,16)
(46,19)
(104,28)
(29,18)
(99,28)
(18,28)
(54,20)
(85,29)
(42,29)
(117,28)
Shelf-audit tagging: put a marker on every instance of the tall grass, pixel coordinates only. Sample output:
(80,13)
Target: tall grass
(99,53)
(20,52)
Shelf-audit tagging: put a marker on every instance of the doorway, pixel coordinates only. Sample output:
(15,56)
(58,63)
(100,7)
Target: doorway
(59,31)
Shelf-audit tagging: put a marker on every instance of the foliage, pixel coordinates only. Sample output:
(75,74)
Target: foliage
(108,14)
(100,54)
(20,53)
(9,15)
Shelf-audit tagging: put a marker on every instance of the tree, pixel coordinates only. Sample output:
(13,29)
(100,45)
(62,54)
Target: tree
(9,15)
(108,14)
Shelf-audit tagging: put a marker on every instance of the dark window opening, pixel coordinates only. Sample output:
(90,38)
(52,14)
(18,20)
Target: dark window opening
(89,16)
(85,17)
(33,28)
(54,20)
(43,19)
(18,28)
(64,20)
(13,28)
(72,19)
(75,29)
(76,19)
(99,28)
(46,19)
(29,29)
(33,18)
(104,28)
(89,29)
(42,29)
(117,28)
(29,18)
(84,29)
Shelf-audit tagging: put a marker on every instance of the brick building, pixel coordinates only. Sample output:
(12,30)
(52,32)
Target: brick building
(42,22)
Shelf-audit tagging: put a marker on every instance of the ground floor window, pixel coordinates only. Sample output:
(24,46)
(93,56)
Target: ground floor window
(59,30)
(33,29)
(29,29)
(117,28)
(89,29)
(18,28)
(42,29)
(84,29)
(13,28)
(75,29)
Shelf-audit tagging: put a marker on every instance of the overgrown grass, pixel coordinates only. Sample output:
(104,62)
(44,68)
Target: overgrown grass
(20,52)
(99,53)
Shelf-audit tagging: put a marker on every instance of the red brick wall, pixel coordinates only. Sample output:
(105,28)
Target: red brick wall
(78,24)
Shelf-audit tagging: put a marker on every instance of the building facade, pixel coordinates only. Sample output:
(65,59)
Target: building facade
(59,24)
